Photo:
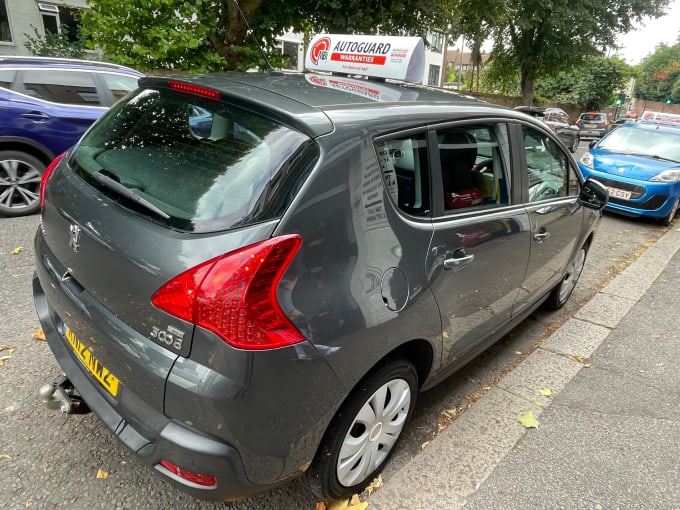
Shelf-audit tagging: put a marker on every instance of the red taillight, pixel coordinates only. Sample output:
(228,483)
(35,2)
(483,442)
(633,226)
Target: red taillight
(234,295)
(190,476)
(46,176)
(193,89)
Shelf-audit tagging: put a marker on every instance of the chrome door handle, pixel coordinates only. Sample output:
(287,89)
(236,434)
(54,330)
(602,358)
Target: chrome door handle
(458,263)
(541,236)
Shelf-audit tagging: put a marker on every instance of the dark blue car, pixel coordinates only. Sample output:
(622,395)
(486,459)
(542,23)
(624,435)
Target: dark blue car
(639,163)
(46,104)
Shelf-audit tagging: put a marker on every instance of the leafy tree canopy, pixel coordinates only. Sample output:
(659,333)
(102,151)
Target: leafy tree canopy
(212,34)
(590,86)
(660,75)
(544,37)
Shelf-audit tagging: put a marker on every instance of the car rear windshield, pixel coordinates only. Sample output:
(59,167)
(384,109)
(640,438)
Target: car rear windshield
(195,164)
(592,117)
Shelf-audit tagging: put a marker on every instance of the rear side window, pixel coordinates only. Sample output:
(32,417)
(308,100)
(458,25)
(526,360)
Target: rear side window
(119,84)
(6,77)
(59,86)
(198,165)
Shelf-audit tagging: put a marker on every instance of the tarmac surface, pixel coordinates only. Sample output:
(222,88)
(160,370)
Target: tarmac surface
(604,391)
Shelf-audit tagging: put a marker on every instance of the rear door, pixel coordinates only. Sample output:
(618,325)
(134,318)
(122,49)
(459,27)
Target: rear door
(550,190)
(480,247)
(54,108)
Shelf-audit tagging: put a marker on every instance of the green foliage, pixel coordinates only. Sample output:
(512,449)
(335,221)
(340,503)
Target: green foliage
(543,37)
(55,45)
(204,35)
(152,34)
(591,85)
(660,75)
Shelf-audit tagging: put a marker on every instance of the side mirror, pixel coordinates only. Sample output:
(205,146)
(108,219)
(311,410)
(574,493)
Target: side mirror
(592,143)
(593,195)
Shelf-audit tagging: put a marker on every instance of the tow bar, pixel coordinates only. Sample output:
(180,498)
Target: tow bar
(61,395)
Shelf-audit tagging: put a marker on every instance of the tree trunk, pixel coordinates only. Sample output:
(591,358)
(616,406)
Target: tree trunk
(527,86)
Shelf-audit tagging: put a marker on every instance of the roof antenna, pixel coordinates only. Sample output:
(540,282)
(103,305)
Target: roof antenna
(270,70)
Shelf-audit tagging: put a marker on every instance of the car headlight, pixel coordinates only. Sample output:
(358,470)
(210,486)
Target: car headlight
(587,160)
(672,175)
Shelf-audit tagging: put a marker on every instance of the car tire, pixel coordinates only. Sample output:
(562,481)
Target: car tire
(666,220)
(365,431)
(20,176)
(562,291)
(574,144)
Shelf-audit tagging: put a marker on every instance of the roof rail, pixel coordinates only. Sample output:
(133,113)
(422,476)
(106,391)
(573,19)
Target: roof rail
(58,60)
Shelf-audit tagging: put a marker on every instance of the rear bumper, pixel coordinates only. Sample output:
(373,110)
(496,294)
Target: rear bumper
(592,133)
(171,440)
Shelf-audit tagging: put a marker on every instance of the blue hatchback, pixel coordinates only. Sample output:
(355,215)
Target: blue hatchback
(639,163)
(46,104)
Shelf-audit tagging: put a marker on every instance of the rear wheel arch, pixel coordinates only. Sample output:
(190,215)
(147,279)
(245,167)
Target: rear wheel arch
(411,361)
(16,144)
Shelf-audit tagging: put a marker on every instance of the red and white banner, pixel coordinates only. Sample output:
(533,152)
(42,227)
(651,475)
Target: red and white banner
(369,89)
(400,58)
(650,116)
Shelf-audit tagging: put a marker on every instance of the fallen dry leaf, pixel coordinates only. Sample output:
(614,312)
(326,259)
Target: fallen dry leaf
(547,392)
(4,456)
(424,445)
(584,361)
(101,474)
(528,421)
(373,486)
(39,335)
(347,504)
(17,250)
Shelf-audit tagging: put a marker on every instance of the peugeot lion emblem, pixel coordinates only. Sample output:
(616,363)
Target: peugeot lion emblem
(75,238)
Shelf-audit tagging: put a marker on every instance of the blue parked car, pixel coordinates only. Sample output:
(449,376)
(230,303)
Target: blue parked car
(46,104)
(639,163)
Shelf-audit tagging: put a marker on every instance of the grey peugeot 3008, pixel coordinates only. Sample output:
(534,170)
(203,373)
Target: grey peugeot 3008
(248,277)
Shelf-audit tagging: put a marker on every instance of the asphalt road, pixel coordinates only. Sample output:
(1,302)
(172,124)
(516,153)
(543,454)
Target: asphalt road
(51,461)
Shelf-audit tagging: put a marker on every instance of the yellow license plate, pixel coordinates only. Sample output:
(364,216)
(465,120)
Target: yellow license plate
(109,381)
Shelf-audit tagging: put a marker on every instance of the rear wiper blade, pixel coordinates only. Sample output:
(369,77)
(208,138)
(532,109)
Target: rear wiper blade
(114,185)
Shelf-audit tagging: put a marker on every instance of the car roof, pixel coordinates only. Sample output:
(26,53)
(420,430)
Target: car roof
(63,63)
(316,103)
(651,126)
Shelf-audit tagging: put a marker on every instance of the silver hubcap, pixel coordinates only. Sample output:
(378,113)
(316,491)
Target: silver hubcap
(374,432)
(573,274)
(19,184)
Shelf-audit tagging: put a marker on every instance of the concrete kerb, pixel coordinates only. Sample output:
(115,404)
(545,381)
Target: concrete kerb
(459,459)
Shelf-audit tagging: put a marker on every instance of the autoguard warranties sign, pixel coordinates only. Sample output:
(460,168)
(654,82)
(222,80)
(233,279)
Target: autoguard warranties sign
(400,58)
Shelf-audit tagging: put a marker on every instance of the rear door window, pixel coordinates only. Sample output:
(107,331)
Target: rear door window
(474,162)
(199,165)
(65,87)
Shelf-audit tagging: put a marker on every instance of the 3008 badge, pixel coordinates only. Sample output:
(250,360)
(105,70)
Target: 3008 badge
(171,337)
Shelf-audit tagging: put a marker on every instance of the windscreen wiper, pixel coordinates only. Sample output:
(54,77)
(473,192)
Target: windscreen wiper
(116,186)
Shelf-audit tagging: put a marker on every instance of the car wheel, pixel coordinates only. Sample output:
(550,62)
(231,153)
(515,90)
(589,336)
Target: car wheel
(560,294)
(574,144)
(363,434)
(666,220)
(20,176)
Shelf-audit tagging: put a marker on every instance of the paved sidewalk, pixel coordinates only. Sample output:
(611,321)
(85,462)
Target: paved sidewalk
(609,435)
